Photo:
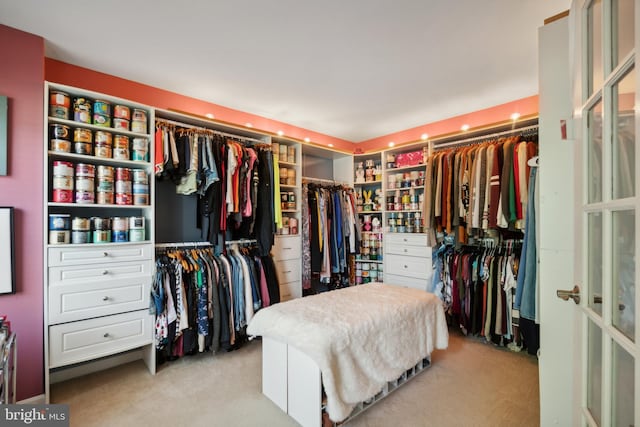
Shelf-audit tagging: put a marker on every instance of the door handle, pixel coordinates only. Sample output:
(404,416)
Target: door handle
(574,294)
(597,299)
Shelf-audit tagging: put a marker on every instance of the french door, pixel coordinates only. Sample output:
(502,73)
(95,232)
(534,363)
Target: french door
(608,209)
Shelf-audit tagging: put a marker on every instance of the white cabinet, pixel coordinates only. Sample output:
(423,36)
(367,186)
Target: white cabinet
(99,231)
(287,255)
(407,260)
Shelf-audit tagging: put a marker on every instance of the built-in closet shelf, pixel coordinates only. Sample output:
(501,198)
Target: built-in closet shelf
(95,245)
(417,187)
(405,211)
(367,183)
(73,123)
(374,261)
(100,160)
(369,212)
(404,168)
(288,186)
(372,232)
(283,163)
(290,211)
(96,205)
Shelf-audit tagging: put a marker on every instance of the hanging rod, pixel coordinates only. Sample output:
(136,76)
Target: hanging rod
(484,137)
(182,244)
(187,125)
(308,179)
(240,242)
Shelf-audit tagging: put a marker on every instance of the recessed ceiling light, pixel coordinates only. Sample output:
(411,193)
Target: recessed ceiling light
(391,144)
(464,128)
(424,136)
(515,116)
(249,125)
(209,115)
(307,140)
(330,145)
(280,133)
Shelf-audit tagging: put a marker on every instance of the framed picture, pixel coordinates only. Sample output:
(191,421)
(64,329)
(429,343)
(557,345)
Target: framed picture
(7,259)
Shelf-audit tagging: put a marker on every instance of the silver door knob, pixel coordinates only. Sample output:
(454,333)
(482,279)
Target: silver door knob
(574,294)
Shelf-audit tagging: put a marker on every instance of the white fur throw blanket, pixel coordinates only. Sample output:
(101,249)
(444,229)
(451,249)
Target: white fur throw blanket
(360,337)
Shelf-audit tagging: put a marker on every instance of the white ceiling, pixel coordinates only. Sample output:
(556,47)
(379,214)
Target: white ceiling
(351,69)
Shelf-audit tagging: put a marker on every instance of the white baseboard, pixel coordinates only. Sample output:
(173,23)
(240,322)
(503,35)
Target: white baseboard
(35,400)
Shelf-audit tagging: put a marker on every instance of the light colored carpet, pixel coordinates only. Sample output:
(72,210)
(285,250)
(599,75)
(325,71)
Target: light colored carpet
(469,384)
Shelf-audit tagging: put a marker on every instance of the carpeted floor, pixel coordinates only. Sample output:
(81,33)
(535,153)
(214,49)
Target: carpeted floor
(469,384)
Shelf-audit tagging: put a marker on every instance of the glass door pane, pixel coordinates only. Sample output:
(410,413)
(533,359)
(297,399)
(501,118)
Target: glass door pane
(594,166)
(624,136)
(623,412)
(594,222)
(594,35)
(623,29)
(624,271)
(594,372)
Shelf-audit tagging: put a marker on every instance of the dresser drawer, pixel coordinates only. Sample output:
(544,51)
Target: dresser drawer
(408,282)
(89,339)
(407,266)
(83,273)
(413,251)
(288,271)
(290,290)
(406,239)
(77,301)
(287,247)
(98,254)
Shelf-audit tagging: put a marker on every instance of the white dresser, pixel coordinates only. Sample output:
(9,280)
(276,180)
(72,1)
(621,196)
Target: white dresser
(287,256)
(407,259)
(98,304)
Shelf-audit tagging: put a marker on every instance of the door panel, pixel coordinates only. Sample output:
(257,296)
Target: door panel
(623,388)
(594,372)
(623,305)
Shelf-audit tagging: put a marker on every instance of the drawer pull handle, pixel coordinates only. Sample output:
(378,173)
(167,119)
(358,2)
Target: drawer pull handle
(104,273)
(105,254)
(105,298)
(406,266)
(405,250)
(404,240)
(288,271)
(287,249)
(106,335)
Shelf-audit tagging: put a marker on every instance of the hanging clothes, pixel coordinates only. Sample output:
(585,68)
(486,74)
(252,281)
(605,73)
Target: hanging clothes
(478,190)
(332,236)
(233,179)
(203,301)
(477,286)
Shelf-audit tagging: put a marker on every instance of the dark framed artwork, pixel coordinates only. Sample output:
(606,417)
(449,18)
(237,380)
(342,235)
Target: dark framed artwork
(7,258)
(3,134)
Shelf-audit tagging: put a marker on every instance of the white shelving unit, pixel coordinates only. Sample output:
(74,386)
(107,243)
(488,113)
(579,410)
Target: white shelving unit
(407,255)
(368,183)
(96,295)
(287,251)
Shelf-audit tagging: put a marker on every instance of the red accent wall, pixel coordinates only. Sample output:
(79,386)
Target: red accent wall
(22,81)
